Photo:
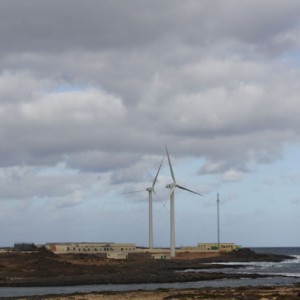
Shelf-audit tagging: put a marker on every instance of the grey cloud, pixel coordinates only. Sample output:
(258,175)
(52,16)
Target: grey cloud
(100,160)
(290,179)
(53,126)
(63,25)
(71,200)
(142,170)
(186,74)
(261,20)
(295,201)
(66,25)
(20,87)
(21,183)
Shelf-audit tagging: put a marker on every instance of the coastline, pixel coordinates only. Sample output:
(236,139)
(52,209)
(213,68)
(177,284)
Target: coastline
(42,269)
(56,274)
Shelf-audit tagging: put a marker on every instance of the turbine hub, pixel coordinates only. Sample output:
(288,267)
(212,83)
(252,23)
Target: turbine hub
(170,186)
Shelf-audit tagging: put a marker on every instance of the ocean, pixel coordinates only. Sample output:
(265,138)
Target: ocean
(286,272)
(282,273)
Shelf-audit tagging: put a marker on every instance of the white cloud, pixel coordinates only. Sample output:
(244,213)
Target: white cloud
(232,175)
(25,183)
(74,199)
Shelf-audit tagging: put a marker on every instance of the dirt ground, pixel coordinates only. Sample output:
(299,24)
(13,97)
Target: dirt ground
(248,293)
(44,268)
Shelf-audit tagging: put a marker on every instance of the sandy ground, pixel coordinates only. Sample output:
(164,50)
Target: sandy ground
(243,293)
(247,293)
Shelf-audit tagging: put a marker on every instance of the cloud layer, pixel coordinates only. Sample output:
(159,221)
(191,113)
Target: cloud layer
(100,87)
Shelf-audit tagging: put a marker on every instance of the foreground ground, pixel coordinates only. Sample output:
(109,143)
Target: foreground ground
(43,268)
(245,293)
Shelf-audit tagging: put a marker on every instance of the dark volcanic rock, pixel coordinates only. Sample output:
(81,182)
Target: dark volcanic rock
(248,255)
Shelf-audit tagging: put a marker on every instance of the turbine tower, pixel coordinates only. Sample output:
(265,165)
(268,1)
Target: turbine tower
(151,190)
(172,186)
(218,219)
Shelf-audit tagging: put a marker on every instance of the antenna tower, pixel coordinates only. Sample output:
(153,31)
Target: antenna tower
(218,216)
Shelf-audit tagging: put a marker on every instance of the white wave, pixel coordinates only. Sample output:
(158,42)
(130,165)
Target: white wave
(260,264)
(283,274)
(233,263)
(292,261)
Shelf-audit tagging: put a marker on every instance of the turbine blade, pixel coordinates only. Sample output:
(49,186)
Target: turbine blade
(183,188)
(170,165)
(154,181)
(164,204)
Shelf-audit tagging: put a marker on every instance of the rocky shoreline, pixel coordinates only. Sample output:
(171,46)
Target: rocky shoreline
(43,268)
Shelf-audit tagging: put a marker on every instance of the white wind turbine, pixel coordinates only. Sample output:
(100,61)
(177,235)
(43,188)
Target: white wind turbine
(150,191)
(172,186)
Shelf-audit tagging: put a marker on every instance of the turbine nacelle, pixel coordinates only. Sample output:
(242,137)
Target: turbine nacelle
(170,186)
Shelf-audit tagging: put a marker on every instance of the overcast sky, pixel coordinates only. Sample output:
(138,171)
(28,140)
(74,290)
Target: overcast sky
(91,91)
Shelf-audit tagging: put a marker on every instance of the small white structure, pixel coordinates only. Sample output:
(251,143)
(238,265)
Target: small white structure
(160,256)
(6,250)
(116,255)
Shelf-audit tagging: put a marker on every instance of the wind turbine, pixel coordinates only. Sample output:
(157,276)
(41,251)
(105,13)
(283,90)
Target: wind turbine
(151,190)
(172,186)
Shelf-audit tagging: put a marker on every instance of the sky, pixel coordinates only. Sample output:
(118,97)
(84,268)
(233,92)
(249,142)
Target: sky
(91,91)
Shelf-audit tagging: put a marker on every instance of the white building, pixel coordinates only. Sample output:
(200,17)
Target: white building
(89,248)
(223,247)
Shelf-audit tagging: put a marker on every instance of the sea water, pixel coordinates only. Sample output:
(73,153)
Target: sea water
(282,273)
(287,268)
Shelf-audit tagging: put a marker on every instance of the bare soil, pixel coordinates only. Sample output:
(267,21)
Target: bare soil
(43,268)
(244,293)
